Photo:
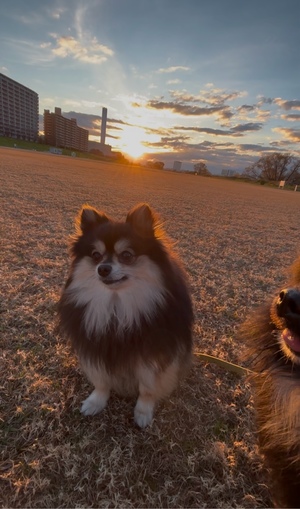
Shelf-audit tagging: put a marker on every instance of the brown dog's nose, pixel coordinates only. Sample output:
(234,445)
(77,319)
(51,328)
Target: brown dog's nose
(104,270)
(288,306)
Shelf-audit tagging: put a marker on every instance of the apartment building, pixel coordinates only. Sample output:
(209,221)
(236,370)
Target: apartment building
(19,110)
(64,132)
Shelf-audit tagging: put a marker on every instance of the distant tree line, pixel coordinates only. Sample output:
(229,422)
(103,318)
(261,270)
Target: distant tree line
(275,167)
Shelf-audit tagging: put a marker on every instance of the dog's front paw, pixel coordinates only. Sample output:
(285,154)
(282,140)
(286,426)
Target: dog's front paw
(94,403)
(143,413)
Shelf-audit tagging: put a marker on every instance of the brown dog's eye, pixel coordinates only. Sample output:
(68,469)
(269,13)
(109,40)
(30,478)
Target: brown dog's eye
(126,257)
(97,257)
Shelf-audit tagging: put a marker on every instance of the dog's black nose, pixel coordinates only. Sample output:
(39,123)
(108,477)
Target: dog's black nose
(104,270)
(288,306)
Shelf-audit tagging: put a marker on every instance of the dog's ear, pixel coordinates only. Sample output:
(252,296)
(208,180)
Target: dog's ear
(144,220)
(295,273)
(89,218)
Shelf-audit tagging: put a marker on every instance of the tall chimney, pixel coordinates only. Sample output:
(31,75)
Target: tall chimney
(103,125)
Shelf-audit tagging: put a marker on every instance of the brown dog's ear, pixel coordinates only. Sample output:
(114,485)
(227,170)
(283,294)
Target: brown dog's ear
(144,220)
(295,273)
(89,217)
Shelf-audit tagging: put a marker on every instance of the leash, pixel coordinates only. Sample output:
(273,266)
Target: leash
(229,366)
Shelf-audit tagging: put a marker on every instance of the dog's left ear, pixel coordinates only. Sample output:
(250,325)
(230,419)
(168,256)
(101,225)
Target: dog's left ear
(144,220)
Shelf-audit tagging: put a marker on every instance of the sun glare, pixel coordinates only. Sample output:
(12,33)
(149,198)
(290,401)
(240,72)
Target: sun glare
(131,142)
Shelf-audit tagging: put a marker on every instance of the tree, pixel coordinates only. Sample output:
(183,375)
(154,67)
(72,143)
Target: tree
(201,169)
(275,167)
(154,163)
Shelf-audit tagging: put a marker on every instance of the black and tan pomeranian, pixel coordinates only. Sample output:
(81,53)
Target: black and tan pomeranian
(273,343)
(127,309)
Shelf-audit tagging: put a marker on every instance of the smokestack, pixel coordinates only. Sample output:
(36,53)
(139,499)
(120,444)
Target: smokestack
(103,125)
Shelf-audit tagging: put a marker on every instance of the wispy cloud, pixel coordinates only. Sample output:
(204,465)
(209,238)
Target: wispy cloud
(44,45)
(89,51)
(29,52)
(56,12)
(167,70)
(173,82)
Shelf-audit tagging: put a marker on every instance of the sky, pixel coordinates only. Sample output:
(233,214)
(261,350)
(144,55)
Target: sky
(213,81)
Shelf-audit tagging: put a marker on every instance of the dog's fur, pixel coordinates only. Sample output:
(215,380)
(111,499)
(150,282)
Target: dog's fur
(273,344)
(127,309)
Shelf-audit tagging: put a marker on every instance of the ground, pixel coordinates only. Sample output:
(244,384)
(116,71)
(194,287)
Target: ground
(236,241)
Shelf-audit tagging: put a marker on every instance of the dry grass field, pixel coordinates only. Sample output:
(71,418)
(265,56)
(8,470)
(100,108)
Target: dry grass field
(236,240)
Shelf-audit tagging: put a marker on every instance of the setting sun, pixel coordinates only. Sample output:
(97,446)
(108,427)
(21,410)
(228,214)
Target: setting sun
(132,142)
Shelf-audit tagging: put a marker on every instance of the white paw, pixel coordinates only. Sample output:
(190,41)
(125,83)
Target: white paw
(94,403)
(143,414)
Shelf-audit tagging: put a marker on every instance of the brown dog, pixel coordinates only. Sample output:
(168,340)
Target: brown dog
(272,335)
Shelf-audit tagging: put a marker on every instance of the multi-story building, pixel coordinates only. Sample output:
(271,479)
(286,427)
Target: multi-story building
(64,132)
(177,165)
(19,110)
(228,173)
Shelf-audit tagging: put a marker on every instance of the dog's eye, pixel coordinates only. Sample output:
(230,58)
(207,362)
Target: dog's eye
(97,257)
(126,257)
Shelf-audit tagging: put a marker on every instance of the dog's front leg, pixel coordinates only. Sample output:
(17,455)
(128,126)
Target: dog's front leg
(144,408)
(97,400)
(154,384)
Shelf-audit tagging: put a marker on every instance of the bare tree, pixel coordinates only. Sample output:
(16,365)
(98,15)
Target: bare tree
(201,169)
(275,167)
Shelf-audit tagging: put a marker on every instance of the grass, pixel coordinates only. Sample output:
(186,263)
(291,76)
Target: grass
(23,144)
(235,240)
(41,147)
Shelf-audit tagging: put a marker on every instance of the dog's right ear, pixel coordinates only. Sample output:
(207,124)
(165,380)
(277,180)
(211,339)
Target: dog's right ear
(89,218)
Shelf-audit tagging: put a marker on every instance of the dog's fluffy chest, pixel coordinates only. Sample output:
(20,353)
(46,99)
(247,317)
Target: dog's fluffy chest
(138,298)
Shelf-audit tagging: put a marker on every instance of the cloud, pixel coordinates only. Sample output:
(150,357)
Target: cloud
(235,131)
(178,143)
(44,45)
(56,12)
(252,147)
(30,18)
(293,135)
(88,51)
(206,130)
(173,82)
(250,126)
(246,108)
(181,108)
(292,117)
(29,52)
(167,70)
(281,144)
(287,105)
(212,102)
(264,100)
(214,96)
